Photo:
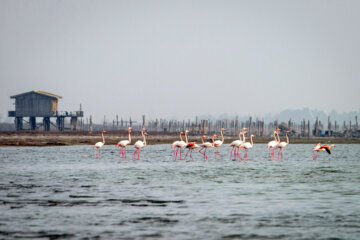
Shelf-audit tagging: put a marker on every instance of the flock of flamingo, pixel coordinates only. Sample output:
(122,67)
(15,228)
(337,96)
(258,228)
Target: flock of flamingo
(236,145)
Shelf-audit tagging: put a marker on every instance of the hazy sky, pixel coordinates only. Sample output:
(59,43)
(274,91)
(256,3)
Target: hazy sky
(182,58)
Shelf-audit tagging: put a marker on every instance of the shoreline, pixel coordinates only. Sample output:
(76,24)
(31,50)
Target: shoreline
(40,138)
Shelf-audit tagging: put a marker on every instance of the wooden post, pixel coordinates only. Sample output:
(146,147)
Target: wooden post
(336,127)
(117,122)
(250,123)
(356,123)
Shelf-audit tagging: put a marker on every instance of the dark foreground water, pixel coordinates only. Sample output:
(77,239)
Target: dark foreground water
(64,192)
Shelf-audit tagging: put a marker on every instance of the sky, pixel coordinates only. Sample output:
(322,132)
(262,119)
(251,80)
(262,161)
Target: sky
(180,59)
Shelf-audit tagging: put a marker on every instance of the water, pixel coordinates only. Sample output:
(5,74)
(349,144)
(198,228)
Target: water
(64,192)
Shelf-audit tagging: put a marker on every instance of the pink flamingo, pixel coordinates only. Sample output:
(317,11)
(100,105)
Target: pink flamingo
(191,146)
(140,144)
(272,145)
(177,145)
(218,143)
(322,148)
(98,145)
(282,145)
(123,144)
(181,144)
(237,143)
(206,145)
(247,146)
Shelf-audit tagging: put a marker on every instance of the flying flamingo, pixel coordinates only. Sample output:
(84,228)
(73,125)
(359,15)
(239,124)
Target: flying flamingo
(247,146)
(322,148)
(272,145)
(98,145)
(140,144)
(123,144)
(282,145)
(237,143)
(218,143)
(206,145)
(190,145)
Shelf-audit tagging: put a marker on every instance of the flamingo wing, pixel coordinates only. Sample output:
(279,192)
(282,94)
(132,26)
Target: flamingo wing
(327,148)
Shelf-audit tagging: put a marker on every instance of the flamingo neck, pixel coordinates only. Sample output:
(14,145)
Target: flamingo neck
(222,136)
(240,135)
(213,138)
(180,137)
(144,139)
(186,139)
(202,139)
(251,141)
(278,138)
(243,137)
(103,138)
(129,137)
(287,138)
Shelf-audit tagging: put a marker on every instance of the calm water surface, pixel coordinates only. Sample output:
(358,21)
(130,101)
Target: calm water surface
(64,192)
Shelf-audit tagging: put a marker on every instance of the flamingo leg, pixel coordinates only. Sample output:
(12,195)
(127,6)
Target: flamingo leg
(186,154)
(191,155)
(279,152)
(180,153)
(231,152)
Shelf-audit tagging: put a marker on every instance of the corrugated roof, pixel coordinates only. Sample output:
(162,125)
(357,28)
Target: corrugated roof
(38,92)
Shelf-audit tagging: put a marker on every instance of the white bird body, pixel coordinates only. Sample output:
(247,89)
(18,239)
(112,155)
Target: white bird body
(123,143)
(207,145)
(174,144)
(181,144)
(98,145)
(236,143)
(140,144)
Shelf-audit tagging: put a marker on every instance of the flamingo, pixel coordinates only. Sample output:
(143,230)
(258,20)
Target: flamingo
(178,145)
(182,144)
(237,143)
(123,144)
(98,145)
(218,143)
(140,144)
(247,146)
(206,145)
(322,148)
(272,145)
(190,145)
(282,145)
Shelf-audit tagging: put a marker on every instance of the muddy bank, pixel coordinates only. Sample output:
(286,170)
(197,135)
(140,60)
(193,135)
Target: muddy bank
(39,138)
